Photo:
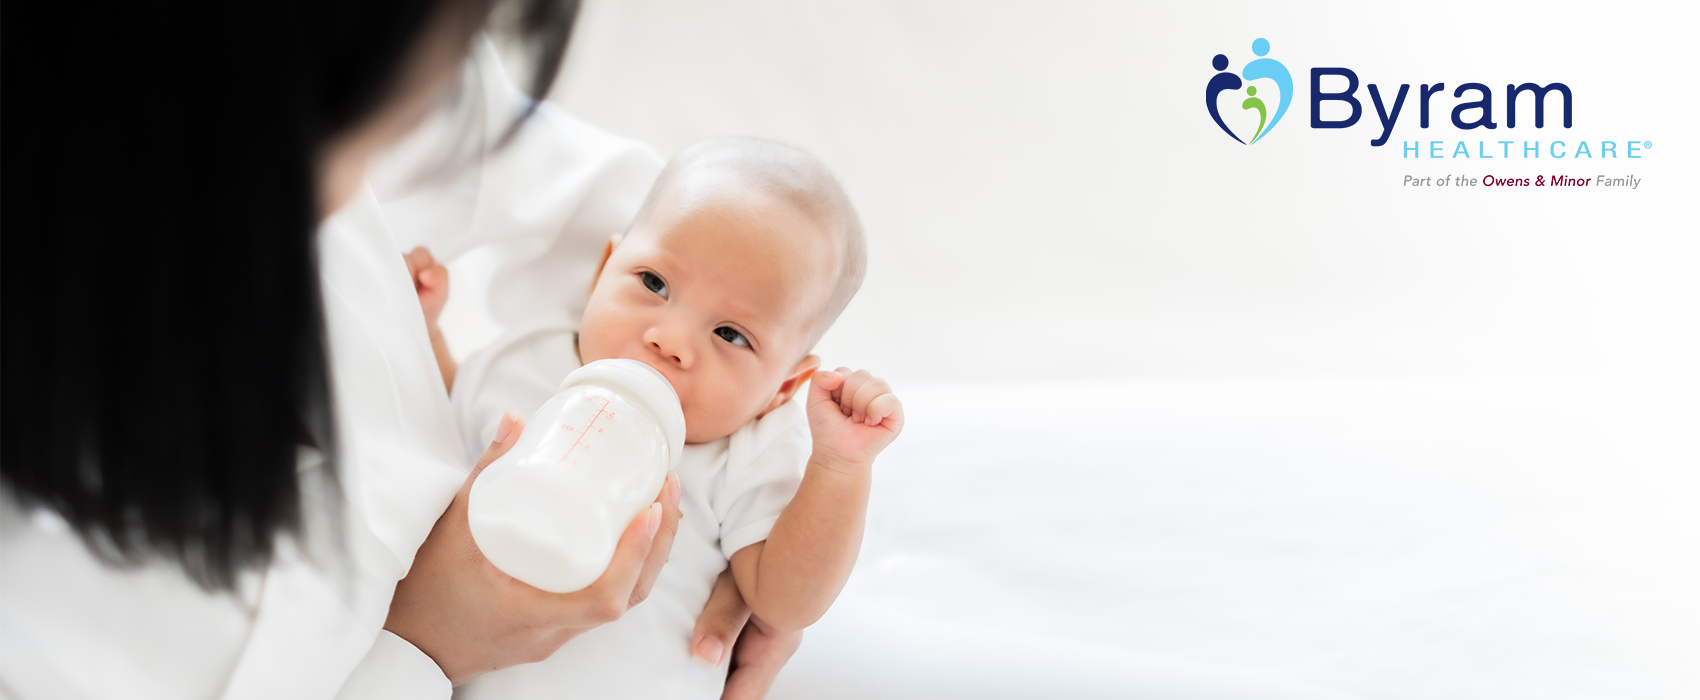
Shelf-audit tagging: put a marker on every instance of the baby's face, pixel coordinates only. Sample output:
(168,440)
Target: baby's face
(721,297)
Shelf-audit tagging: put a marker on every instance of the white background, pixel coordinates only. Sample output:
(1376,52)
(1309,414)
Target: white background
(1046,196)
(1260,408)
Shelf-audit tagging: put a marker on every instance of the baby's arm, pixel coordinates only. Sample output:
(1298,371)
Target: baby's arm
(431,282)
(791,579)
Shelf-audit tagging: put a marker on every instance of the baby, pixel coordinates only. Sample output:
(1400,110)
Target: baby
(743,255)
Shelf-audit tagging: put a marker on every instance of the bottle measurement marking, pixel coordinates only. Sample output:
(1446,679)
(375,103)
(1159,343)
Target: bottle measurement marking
(601,412)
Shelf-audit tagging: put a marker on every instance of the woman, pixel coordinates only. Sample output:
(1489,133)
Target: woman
(196,502)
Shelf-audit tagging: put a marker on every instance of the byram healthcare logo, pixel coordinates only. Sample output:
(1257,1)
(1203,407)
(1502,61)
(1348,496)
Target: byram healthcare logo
(1476,118)
(1476,108)
(1225,81)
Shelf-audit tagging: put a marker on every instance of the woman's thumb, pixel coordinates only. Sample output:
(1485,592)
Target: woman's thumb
(507,434)
(721,620)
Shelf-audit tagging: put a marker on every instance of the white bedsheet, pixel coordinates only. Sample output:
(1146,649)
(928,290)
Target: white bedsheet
(1415,538)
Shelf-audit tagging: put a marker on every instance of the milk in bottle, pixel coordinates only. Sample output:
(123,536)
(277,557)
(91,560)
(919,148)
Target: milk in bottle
(550,511)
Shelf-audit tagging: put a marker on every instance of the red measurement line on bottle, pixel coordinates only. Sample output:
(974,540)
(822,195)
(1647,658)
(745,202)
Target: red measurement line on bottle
(600,412)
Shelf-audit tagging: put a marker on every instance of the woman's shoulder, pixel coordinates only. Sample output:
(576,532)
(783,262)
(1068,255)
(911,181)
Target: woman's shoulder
(149,630)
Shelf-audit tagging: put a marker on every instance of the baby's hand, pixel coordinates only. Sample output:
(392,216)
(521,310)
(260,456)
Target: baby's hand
(853,415)
(430,281)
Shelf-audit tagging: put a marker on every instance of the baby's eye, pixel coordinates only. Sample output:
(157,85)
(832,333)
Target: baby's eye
(654,283)
(732,336)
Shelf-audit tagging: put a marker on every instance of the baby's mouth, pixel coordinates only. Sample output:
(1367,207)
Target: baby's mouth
(660,369)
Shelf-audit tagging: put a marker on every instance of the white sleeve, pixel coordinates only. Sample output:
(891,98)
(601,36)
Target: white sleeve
(764,466)
(395,669)
(540,205)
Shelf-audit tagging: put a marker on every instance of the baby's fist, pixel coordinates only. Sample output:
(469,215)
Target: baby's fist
(430,282)
(853,415)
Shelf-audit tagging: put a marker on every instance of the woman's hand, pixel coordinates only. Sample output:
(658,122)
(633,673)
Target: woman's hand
(758,650)
(761,651)
(471,618)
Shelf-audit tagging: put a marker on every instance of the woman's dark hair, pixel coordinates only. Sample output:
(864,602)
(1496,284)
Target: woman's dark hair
(163,353)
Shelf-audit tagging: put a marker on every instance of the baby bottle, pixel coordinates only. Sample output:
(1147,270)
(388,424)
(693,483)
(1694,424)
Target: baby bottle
(550,511)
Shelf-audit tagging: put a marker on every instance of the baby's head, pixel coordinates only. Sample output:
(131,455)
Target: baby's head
(743,255)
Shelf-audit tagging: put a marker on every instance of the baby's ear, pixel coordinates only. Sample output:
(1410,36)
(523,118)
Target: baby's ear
(800,373)
(607,252)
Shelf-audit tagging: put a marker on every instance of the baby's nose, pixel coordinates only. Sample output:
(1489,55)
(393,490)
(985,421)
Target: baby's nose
(672,347)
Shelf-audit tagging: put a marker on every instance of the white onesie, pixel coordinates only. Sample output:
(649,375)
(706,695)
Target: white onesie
(733,490)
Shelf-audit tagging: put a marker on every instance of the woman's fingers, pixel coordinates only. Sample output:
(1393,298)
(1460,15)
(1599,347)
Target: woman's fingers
(507,434)
(721,620)
(662,546)
(611,595)
(756,660)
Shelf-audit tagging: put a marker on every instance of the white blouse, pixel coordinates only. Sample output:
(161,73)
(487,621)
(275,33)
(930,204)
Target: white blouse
(310,625)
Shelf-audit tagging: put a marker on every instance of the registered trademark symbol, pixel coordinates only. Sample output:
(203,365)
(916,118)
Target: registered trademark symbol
(1646,144)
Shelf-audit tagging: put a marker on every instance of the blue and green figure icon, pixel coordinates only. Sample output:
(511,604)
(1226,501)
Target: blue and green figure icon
(1251,102)
(1260,68)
